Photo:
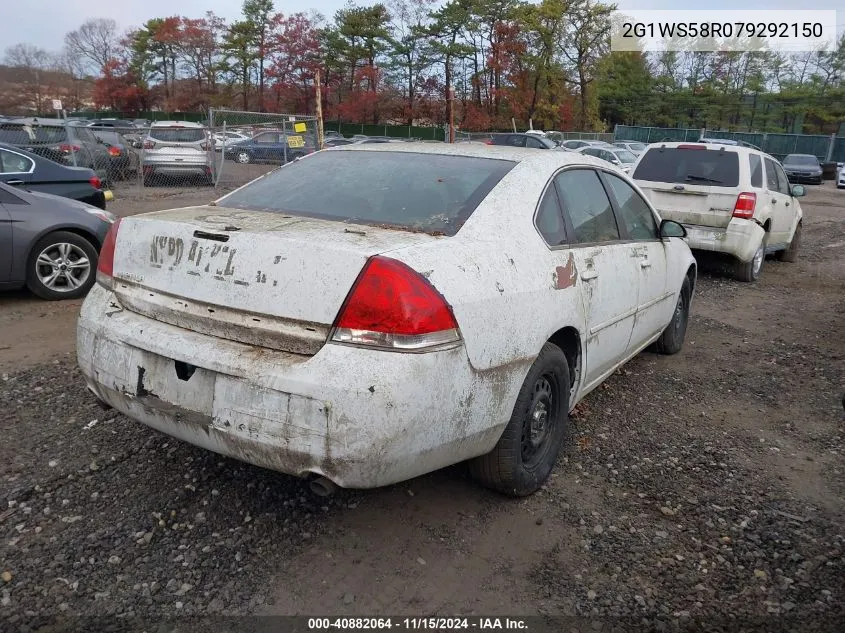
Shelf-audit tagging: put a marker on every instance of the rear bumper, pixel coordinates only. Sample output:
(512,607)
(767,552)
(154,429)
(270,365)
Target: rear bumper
(739,239)
(97,198)
(362,418)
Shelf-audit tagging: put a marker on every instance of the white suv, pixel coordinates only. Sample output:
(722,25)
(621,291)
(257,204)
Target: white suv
(732,200)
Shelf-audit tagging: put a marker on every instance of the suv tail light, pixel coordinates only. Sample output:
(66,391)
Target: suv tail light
(488,141)
(744,207)
(149,145)
(96,182)
(105,263)
(114,151)
(391,306)
(67,148)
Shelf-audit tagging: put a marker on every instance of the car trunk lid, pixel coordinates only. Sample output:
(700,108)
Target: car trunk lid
(266,279)
(691,204)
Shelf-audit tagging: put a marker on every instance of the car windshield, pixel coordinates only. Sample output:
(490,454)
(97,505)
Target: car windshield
(702,166)
(19,134)
(178,134)
(433,193)
(625,156)
(801,159)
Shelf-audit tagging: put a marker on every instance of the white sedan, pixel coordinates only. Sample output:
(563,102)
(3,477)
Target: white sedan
(371,313)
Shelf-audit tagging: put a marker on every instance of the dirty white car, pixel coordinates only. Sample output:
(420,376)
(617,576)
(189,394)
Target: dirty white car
(368,314)
(733,200)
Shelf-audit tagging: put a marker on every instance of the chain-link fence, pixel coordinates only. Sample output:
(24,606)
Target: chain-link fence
(249,144)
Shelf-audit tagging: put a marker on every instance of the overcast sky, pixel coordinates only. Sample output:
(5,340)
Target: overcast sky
(45,22)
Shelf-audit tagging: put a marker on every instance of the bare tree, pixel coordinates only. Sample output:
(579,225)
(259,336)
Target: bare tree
(31,61)
(95,43)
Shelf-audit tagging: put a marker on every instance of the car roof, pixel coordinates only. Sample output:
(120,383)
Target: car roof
(550,160)
(802,155)
(177,124)
(37,121)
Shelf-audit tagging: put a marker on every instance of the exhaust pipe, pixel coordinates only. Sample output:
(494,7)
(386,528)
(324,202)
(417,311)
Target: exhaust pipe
(322,487)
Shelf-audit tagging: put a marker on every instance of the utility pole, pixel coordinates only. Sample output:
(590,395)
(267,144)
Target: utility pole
(319,109)
(450,102)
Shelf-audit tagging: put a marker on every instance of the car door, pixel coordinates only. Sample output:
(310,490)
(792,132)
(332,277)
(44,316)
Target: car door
(534,143)
(5,239)
(638,225)
(15,169)
(780,201)
(602,267)
(263,145)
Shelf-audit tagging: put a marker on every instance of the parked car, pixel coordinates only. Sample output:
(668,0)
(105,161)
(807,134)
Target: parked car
(177,150)
(618,157)
(578,143)
(635,147)
(456,306)
(335,141)
(48,243)
(125,161)
(533,141)
(121,124)
(221,139)
(327,134)
(273,146)
(803,168)
(72,145)
(732,200)
(840,175)
(25,170)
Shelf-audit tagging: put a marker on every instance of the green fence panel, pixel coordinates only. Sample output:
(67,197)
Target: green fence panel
(838,151)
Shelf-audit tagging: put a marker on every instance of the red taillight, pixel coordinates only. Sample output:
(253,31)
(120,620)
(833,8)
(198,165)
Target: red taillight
(95,182)
(105,264)
(744,207)
(488,142)
(149,145)
(114,151)
(692,146)
(392,306)
(67,149)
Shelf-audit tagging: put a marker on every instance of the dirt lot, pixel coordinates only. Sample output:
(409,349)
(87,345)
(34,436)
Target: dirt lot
(709,484)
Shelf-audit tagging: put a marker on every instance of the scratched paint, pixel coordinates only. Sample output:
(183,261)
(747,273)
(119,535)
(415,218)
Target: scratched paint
(566,276)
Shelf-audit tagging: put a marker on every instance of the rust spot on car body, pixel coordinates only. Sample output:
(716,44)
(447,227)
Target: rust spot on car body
(566,276)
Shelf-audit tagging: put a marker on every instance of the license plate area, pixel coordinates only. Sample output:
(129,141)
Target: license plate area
(174,382)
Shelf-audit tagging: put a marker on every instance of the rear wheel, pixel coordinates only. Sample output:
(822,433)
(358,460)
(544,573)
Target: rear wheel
(524,456)
(243,157)
(750,270)
(62,265)
(790,254)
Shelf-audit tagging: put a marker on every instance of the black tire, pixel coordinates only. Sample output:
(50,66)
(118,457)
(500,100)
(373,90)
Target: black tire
(790,254)
(519,465)
(750,271)
(672,339)
(63,288)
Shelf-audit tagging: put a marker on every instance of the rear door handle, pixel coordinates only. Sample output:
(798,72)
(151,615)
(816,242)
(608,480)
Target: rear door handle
(590,273)
(14,182)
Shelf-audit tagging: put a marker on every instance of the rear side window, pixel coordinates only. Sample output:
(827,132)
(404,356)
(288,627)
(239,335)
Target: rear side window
(550,220)
(771,175)
(756,166)
(13,163)
(17,134)
(178,135)
(432,193)
(715,168)
(586,203)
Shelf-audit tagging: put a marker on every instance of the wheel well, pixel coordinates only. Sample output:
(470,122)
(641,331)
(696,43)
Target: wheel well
(86,235)
(767,225)
(691,275)
(569,341)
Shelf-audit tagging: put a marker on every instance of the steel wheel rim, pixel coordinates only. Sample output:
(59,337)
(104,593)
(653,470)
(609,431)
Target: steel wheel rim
(63,267)
(243,157)
(538,425)
(758,261)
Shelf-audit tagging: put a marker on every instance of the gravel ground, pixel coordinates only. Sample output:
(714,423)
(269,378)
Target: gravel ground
(707,485)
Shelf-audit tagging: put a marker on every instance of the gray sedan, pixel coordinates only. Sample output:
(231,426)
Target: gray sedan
(49,244)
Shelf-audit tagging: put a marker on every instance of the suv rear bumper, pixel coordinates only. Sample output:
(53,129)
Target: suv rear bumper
(740,238)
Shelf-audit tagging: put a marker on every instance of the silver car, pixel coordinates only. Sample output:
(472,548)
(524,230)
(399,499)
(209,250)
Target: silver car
(178,149)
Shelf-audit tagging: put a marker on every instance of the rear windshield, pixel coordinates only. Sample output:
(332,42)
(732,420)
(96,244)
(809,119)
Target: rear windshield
(716,168)
(178,134)
(18,134)
(419,192)
(801,159)
(625,156)
(113,138)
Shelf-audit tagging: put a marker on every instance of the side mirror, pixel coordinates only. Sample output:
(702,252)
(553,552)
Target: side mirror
(798,191)
(670,228)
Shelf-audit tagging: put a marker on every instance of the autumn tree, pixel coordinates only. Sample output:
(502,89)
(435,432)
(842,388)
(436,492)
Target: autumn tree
(258,14)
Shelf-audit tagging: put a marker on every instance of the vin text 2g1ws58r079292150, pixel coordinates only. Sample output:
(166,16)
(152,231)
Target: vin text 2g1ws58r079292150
(367,314)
